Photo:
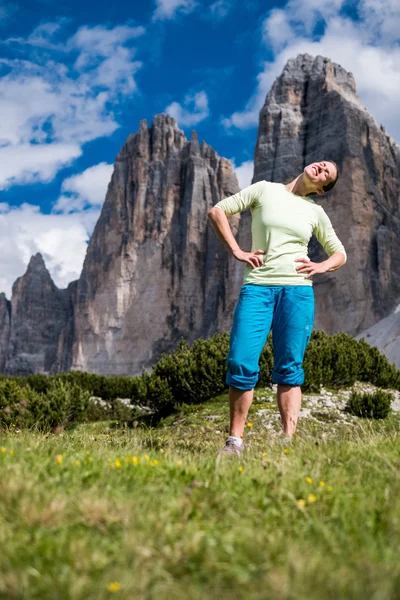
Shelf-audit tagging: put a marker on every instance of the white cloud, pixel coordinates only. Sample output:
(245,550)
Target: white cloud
(87,188)
(61,239)
(47,105)
(382,18)
(362,47)
(195,109)
(167,9)
(244,172)
(29,163)
(276,29)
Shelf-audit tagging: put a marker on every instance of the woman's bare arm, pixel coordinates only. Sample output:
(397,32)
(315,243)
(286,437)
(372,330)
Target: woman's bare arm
(222,228)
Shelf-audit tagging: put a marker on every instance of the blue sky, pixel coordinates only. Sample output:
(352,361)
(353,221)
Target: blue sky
(77,77)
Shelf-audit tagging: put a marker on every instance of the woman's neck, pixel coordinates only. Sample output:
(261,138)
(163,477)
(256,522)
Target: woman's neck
(299,186)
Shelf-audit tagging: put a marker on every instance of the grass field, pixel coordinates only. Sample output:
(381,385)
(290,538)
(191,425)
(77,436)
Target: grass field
(103,511)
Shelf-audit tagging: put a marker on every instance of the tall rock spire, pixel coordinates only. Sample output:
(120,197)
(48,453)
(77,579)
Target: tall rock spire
(313,113)
(154,269)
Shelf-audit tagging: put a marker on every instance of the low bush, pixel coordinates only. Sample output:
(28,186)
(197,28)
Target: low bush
(370,406)
(23,406)
(189,375)
(197,373)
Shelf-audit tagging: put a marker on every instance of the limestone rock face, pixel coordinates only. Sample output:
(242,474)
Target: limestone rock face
(5,318)
(155,270)
(312,113)
(41,319)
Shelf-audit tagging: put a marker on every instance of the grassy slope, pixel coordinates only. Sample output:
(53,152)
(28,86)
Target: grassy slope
(148,511)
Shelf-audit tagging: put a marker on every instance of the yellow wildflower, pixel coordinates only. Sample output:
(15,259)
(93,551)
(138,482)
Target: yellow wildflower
(240,469)
(135,460)
(147,457)
(76,463)
(59,459)
(154,462)
(250,425)
(308,479)
(179,463)
(264,454)
(87,452)
(12,452)
(287,450)
(4,449)
(117,464)
(301,502)
(312,498)
(329,488)
(322,484)
(114,586)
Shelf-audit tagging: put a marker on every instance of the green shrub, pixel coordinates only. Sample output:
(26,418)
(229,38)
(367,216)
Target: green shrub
(371,406)
(63,404)
(155,392)
(195,374)
(317,363)
(378,370)
(14,400)
(38,382)
(340,360)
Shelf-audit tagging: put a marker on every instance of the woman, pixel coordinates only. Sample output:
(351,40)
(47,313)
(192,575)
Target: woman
(277,291)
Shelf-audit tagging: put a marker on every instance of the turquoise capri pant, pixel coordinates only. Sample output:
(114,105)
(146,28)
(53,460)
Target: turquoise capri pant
(289,312)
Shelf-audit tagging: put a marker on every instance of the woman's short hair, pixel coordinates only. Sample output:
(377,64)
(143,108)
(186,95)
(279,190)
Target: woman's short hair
(329,186)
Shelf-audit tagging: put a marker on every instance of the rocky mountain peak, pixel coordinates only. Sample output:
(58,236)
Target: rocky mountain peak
(319,68)
(40,323)
(154,270)
(312,113)
(161,141)
(37,264)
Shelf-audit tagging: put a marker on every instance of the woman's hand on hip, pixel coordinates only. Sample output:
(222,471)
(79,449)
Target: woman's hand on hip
(254,259)
(310,267)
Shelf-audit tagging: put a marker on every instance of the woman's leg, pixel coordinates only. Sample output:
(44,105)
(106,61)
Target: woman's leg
(289,403)
(251,324)
(291,331)
(239,405)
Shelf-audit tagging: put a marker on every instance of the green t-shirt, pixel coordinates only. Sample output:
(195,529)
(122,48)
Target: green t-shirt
(282,224)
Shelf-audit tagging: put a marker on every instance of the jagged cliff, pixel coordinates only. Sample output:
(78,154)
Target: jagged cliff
(313,113)
(40,323)
(156,271)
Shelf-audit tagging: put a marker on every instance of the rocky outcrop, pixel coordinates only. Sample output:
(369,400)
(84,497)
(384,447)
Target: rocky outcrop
(385,335)
(40,325)
(313,113)
(155,270)
(5,318)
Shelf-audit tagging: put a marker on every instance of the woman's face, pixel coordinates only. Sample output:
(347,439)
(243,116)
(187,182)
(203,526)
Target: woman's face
(320,173)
